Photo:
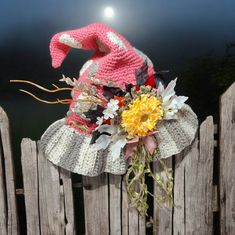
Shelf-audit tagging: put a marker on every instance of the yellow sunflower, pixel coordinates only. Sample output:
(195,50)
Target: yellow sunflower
(142,115)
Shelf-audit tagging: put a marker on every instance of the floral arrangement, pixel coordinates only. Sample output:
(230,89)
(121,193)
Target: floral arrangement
(125,121)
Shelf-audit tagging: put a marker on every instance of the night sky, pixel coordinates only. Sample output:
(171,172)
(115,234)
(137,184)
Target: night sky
(171,33)
(167,31)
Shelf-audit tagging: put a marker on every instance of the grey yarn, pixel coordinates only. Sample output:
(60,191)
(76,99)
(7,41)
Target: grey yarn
(69,149)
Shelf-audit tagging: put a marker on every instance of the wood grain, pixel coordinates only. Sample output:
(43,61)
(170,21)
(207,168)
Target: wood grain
(12,217)
(96,204)
(204,179)
(115,204)
(68,201)
(29,164)
(133,222)
(50,203)
(3,201)
(193,188)
(125,210)
(179,194)
(227,161)
(142,226)
(162,215)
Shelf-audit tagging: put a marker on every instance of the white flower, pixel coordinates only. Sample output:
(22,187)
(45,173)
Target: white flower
(99,122)
(111,109)
(115,141)
(113,104)
(171,103)
(102,142)
(118,142)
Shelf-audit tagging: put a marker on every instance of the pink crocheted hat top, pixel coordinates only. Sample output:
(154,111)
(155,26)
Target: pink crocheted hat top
(114,59)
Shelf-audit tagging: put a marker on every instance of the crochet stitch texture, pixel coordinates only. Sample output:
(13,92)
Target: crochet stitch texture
(65,143)
(114,58)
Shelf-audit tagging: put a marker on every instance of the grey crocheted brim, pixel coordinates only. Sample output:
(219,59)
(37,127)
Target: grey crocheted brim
(176,134)
(71,150)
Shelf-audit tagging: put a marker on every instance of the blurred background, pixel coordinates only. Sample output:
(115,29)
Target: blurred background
(194,40)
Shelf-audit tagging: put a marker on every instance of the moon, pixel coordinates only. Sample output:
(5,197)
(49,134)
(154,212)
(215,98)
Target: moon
(109,12)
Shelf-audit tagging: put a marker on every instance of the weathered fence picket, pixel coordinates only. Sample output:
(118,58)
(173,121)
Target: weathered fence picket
(10,222)
(3,202)
(115,185)
(29,161)
(125,213)
(193,210)
(96,214)
(49,198)
(48,194)
(227,161)
(162,216)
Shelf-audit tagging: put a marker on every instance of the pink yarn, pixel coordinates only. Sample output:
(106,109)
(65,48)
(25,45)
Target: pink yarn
(115,59)
(75,118)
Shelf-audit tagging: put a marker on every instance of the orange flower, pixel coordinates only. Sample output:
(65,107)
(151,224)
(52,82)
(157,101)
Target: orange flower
(120,99)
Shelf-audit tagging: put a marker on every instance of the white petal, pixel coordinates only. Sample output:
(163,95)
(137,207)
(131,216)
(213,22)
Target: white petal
(113,101)
(109,105)
(116,148)
(109,113)
(102,142)
(170,115)
(169,91)
(106,116)
(115,107)
(172,104)
(160,89)
(112,107)
(99,122)
(180,101)
(107,128)
(106,113)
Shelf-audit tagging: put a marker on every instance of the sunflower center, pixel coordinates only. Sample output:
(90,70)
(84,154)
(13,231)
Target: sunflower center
(144,118)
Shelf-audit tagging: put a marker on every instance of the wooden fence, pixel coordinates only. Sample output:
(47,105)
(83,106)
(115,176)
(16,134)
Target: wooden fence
(204,189)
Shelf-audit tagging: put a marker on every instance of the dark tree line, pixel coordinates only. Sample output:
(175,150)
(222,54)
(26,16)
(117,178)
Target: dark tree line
(204,79)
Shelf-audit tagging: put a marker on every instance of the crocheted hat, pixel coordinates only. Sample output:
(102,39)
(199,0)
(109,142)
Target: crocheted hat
(115,65)
(66,143)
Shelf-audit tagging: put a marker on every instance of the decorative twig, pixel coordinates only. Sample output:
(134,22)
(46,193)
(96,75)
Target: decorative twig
(89,99)
(64,101)
(43,88)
